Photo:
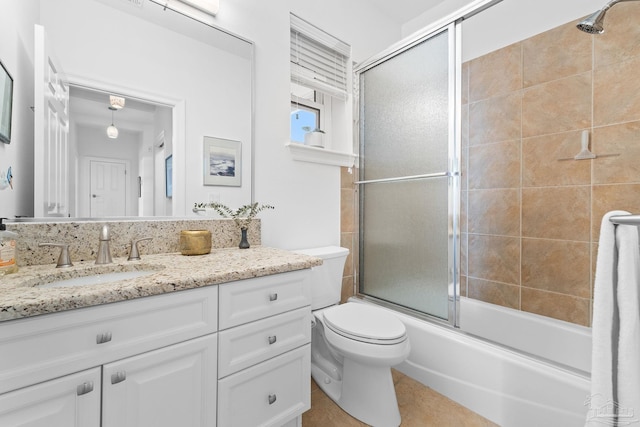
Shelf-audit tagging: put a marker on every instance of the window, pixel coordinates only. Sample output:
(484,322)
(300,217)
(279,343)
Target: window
(318,75)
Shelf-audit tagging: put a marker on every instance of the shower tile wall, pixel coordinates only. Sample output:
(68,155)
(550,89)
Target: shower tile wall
(530,220)
(348,229)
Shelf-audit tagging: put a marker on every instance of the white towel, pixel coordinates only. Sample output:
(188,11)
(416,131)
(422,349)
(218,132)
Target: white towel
(615,359)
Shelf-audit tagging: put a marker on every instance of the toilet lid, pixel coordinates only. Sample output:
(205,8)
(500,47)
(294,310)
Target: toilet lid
(365,323)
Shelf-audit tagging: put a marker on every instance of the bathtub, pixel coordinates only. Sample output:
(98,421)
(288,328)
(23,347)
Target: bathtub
(527,370)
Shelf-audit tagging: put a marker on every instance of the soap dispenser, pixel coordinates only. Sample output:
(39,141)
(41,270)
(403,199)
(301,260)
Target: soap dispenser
(7,250)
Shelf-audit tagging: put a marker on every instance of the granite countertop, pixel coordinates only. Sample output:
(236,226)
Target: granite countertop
(21,296)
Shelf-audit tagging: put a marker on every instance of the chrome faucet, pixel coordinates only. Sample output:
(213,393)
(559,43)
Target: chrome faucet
(104,251)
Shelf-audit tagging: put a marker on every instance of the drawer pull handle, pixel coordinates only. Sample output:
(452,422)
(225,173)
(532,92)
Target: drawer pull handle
(272,399)
(118,377)
(273,297)
(84,388)
(272,339)
(103,338)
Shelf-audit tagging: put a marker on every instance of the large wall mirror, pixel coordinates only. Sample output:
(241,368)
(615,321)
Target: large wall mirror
(181,80)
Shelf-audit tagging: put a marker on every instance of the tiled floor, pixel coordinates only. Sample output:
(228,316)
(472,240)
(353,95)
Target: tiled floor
(419,407)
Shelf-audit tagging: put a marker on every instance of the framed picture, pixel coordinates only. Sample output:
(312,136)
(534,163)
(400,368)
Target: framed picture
(6,104)
(168,177)
(222,162)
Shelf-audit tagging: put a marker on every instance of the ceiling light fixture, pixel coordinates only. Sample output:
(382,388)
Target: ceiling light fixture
(116,102)
(112,131)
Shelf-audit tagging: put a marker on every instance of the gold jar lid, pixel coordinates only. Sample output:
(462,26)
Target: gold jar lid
(195,242)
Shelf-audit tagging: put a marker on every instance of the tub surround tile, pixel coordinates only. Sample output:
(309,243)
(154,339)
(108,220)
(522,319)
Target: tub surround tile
(20,295)
(495,74)
(556,213)
(558,306)
(494,258)
(620,40)
(557,106)
(541,164)
(615,89)
(494,165)
(496,119)
(347,210)
(558,266)
(493,292)
(494,212)
(623,140)
(607,198)
(555,54)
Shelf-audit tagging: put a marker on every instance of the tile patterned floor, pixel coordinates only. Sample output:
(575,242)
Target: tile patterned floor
(419,407)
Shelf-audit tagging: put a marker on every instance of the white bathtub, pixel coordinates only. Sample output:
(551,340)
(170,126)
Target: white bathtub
(544,383)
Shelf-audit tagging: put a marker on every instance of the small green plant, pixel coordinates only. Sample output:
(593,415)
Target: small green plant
(241,216)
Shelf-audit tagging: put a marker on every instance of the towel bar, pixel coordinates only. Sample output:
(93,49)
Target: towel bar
(626,219)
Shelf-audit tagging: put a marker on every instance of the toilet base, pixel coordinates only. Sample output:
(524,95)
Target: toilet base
(365,392)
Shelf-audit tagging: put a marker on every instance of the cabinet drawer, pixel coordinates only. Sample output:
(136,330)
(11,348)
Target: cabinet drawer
(47,346)
(268,394)
(252,343)
(252,299)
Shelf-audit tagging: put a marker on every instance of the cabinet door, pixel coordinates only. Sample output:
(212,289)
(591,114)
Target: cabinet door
(70,401)
(172,386)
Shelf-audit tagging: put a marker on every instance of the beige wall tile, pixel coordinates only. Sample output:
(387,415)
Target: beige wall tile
(622,139)
(558,306)
(347,210)
(555,54)
(465,83)
(494,293)
(464,252)
(557,106)
(494,212)
(556,213)
(497,73)
(615,89)
(496,119)
(607,198)
(495,165)
(494,258)
(557,265)
(541,164)
(464,223)
(347,240)
(347,289)
(620,40)
(463,286)
(347,177)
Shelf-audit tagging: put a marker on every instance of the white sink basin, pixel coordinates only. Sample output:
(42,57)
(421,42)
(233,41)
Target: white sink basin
(97,279)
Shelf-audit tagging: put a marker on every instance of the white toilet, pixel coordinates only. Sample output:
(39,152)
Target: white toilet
(353,346)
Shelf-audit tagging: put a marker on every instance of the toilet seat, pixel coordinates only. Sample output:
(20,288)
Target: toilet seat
(364,323)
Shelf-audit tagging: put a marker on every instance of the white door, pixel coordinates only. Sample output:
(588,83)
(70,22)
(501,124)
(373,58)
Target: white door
(70,401)
(51,132)
(169,387)
(108,188)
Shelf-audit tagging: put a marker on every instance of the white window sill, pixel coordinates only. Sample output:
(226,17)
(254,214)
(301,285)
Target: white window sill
(305,153)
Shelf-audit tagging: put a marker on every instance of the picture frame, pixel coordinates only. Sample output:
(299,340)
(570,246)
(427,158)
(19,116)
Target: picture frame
(222,162)
(6,104)
(168,177)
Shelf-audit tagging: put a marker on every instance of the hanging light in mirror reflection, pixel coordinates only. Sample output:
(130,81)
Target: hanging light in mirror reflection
(112,131)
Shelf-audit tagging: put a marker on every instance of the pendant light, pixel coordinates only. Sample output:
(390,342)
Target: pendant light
(112,131)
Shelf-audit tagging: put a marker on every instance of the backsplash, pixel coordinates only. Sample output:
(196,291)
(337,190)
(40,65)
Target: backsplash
(82,237)
(530,218)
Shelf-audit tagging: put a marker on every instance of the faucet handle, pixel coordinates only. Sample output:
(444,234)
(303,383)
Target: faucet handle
(134,254)
(63,260)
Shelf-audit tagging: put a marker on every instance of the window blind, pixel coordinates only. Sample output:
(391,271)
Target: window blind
(318,60)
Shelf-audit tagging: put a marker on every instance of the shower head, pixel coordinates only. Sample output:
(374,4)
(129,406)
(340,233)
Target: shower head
(593,23)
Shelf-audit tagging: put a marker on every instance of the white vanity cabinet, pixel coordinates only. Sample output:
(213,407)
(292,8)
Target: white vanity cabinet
(144,362)
(264,351)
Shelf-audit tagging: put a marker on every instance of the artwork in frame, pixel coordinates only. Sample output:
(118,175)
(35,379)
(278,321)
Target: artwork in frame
(6,104)
(222,162)
(168,176)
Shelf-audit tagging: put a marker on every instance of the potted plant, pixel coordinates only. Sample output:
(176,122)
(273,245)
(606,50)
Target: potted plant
(241,216)
(315,138)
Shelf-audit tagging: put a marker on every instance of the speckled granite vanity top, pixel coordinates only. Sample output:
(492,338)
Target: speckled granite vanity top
(21,296)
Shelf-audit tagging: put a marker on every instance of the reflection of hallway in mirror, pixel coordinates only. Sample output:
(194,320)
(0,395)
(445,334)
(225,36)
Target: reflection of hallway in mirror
(108,188)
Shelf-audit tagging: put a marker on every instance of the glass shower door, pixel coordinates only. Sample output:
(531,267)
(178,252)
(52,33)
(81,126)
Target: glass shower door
(408,176)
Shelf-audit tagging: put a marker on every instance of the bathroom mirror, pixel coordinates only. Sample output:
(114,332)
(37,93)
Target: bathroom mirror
(181,80)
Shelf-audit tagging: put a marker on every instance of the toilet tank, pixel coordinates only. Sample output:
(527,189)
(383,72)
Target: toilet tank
(326,279)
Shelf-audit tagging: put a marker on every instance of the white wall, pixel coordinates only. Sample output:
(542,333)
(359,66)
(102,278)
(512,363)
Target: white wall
(16,53)
(306,195)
